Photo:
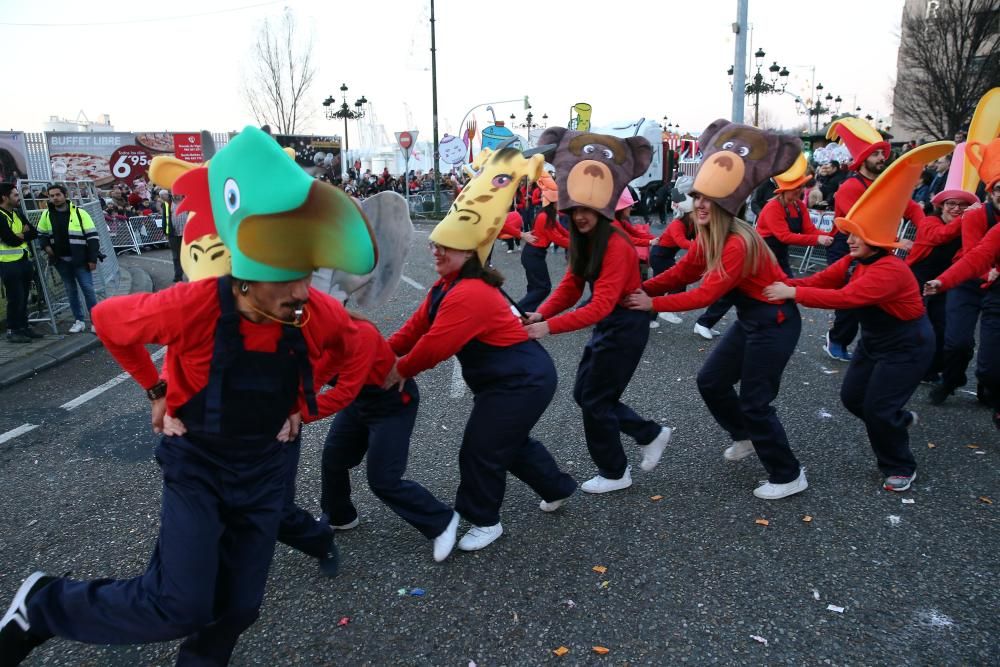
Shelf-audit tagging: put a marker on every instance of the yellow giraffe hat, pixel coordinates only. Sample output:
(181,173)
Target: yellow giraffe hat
(477,216)
(875,216)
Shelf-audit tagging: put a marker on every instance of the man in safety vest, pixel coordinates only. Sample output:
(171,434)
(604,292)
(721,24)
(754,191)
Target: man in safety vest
(15,267)
(70,239)
(173,229)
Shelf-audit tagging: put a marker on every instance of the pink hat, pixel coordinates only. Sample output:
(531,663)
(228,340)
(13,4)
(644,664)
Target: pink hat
(953,185)
(625,200)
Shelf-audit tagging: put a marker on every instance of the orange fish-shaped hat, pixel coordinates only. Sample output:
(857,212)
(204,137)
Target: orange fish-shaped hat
(986,159)
(796,176)
(875,216)
(860,138)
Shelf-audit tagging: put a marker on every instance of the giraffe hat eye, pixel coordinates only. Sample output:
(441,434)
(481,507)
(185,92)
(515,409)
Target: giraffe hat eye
(501,180)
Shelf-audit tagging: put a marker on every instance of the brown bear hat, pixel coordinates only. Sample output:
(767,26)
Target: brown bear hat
(593,169)
(737,158)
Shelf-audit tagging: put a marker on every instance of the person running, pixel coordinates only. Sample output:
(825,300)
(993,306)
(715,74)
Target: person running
(676,237)
(729,257)
(243,348)
(897,340)
(379,424)
(512,378)
(601,254)
(546,231)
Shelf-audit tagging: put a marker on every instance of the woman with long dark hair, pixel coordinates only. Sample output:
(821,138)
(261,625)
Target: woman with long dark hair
(601,254)
(729,257)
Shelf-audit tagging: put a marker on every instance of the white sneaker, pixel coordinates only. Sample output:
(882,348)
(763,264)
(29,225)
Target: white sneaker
(93,329)
(653,324)
(547,506)
(347,526)
(78,327)
(705,332)
(771,491)
(914,419)
(445,542)
(600,484)
(480,537)
(670,317)
(652,452)
(740,449)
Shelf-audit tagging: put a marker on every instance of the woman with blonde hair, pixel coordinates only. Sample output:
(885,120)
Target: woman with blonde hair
(729,257)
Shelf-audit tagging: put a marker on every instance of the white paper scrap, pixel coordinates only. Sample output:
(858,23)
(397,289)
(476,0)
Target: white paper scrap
(758,638)
(833,607)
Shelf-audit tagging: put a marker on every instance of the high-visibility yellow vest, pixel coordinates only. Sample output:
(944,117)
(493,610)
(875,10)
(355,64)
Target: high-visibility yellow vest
(9,253)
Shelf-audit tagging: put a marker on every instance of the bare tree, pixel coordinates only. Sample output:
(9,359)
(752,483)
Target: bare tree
(281,74)
(949,56)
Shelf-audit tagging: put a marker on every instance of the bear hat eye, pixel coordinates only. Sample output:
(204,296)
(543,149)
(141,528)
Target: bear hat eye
(589,148)
(729,145)
(743,151)
(607,153)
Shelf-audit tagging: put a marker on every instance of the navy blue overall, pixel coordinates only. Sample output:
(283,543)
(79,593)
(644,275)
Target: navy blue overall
(512,387)
(845,322)
(609,360)
(662,258)
(964,304)
(988,364)
(754,352)
(887,365)
(379,422)
(223,493)
(780,249)
(536,271)
(929,268)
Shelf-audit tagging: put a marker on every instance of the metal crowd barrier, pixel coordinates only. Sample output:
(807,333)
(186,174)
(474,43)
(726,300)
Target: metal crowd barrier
(813,258)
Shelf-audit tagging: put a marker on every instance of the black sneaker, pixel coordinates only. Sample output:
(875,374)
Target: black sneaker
(939,394)
(16,638)
(30,333)
(17,337)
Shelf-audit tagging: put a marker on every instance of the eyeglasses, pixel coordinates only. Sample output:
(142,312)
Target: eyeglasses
(436,248)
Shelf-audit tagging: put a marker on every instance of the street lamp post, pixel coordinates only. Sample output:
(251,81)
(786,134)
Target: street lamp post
(758,86)
(345,112)
(816,110)
(529,122)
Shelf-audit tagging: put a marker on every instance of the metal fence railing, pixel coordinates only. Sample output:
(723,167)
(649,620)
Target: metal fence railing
(48,298)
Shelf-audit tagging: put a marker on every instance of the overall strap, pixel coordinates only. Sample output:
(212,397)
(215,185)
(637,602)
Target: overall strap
(228,343)
(293,341)
(436,296)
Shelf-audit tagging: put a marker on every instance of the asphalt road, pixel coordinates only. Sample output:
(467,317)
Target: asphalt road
(690,578)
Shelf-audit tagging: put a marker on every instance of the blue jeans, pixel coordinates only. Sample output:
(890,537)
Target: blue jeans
(72,276)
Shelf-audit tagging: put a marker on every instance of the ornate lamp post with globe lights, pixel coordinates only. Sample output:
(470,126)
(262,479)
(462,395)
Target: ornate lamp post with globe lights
(758,86)
(345,112)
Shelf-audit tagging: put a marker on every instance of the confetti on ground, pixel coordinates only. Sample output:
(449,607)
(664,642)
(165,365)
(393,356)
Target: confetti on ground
(908,501)
(823,414)
(980,453)
(973,446)
(569,604)
(894,520)
(759,639)
(472,663)
(401,591)
(417,592)
(343,621)
(984,499)
(815,594)
(600,650)
(32,522)
(605,584)
(807,518)
(599,569)
(833,607)
(831,371)
(762,522)
(653,498)
(931,445)
(561,651)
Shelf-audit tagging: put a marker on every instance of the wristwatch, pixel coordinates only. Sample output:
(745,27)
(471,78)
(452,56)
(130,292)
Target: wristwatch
(157,391)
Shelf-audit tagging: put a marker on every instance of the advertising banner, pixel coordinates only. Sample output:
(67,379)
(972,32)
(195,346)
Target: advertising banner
(109,157)
(13,157)
(318,155)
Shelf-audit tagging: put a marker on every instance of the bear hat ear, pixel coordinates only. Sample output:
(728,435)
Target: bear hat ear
(788,151)
(642,155)
(551,135)
(706,136)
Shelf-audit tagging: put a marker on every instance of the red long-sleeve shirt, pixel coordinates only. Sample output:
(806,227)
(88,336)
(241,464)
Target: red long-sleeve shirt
(675,236)
(976,262)
(638,237)
(973,228)
(536,196)
(513,225)
(546,234)
(851,189)
(887,283)
(184,318)
(715,284)
(772,222)
(619,277)
(932,232)
(471,309)
(373,354)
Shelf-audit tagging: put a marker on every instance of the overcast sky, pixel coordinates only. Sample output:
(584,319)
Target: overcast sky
(153,70)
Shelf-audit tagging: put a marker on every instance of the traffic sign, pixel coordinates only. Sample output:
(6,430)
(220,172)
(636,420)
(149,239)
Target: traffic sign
(406,140)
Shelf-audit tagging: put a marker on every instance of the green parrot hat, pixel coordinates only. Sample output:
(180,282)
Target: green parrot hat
(278,223)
